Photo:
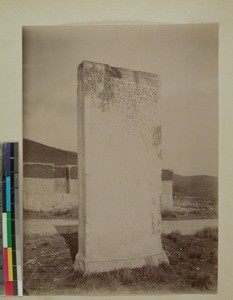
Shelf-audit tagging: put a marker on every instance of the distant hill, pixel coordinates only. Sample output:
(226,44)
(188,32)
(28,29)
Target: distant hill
(40,153)
(199,185)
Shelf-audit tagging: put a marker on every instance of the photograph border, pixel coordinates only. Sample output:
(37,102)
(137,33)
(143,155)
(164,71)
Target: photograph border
(15,14)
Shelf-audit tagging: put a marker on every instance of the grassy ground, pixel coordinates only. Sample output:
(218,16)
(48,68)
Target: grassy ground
(193,268)
(188,214)
(175,214)
(71,213)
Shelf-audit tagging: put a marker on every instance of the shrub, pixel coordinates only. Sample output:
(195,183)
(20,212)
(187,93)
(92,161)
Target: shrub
(199,279)
(69,212)
(207,232)
(195,253)
(173,236)
(168,215)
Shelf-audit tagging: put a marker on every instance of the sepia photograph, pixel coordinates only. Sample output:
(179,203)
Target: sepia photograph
(120,159)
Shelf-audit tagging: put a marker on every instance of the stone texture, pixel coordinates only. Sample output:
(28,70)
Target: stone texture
(49,187)
(167,189)
(74,172)
(56,202)
(37,170)
(119,168)
(167,175)
(61,172)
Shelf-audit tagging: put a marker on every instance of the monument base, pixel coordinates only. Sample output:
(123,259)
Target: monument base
(98,266)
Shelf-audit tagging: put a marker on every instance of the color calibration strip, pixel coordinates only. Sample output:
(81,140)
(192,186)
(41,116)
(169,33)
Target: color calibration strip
(10,247)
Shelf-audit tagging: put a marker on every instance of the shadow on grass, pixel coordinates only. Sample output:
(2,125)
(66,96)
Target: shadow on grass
(193,261)
(48,267)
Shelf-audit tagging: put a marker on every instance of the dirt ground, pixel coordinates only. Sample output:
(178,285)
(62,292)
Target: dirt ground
(193,268)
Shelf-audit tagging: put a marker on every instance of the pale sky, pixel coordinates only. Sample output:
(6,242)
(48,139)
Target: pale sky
(186,57)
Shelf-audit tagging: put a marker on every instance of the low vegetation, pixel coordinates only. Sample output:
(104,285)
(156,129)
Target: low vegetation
(70,213)
(168,215)
(208,233)
(48,267)
(173,236)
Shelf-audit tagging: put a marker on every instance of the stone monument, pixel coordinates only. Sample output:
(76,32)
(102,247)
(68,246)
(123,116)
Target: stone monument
(119,168)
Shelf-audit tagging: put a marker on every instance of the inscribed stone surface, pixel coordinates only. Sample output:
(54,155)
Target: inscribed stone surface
(119,168)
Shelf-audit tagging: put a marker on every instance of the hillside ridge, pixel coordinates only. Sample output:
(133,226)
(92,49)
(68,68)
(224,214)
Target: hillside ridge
(201,185)
(39,153)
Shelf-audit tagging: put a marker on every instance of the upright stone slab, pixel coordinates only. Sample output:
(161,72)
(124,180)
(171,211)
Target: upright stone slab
(167,189)
(119,168)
